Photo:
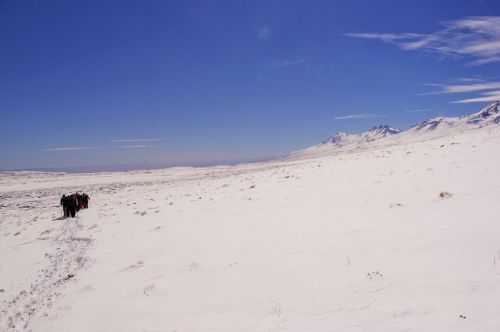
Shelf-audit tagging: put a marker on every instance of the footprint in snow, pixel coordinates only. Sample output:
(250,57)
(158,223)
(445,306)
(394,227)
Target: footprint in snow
(148,289)
(445,195)
(47,231)
(395,205)
(374,275)
(135,266)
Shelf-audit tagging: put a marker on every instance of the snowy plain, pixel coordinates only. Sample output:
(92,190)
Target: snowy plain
(330,239)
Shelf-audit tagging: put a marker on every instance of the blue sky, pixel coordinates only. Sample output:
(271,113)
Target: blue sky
(151,83)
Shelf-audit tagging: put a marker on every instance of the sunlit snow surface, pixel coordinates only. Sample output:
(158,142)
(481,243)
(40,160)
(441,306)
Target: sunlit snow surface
(332,239)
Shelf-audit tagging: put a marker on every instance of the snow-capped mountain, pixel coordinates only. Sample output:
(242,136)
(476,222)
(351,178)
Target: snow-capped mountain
(434,123)
(385,135)
(489,114)
(372,134)
(486,116)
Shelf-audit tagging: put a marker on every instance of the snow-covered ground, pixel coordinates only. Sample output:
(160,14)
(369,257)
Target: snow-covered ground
(330,239)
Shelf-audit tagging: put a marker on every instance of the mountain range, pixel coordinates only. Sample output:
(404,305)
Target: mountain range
(384,134)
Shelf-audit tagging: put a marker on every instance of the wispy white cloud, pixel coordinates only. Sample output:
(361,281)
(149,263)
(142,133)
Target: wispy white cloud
(492,93)
(264,32)
(463,88)
(135,146)
(419,110)
(68,148)
(476,37)
(385,37)
(488,96)
(137,140)
(357,116)
(470,79)
(288,63)
(483,91)
(485,61)
(474,87)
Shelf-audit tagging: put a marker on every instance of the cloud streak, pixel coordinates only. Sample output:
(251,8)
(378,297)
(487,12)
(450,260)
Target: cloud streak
(477,38)
(68,148)
(465,88)
(386,37)
(135,146)
(419,110)
(137,140)
(485,91)
(357,116)
(470,79)
(489,96)
(288,63)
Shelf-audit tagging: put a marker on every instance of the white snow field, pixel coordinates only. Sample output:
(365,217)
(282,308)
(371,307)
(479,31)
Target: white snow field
(351,237)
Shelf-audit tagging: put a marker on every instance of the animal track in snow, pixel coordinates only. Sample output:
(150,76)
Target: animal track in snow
(395,205)
(445,195)
(135,266)
(374,275)
(148,289)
